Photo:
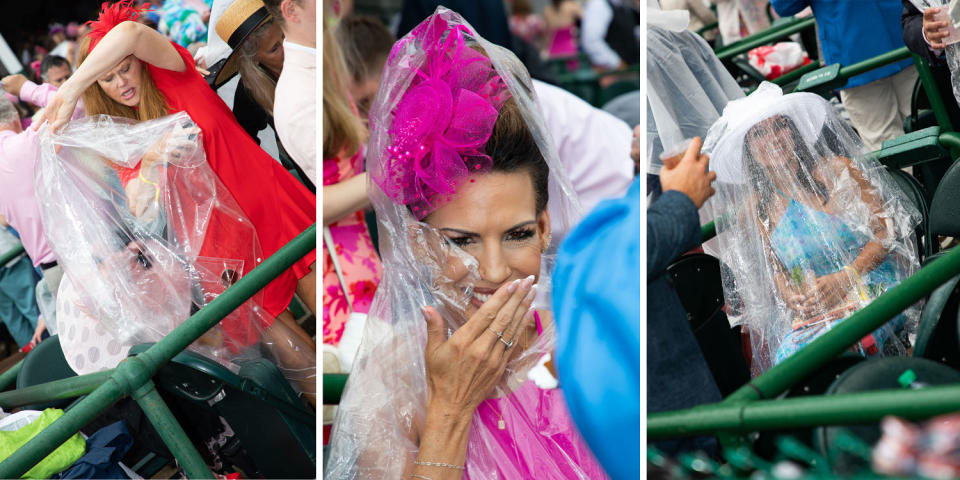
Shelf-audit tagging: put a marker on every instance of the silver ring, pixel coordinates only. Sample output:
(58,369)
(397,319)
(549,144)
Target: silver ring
(498,334)
(508,344)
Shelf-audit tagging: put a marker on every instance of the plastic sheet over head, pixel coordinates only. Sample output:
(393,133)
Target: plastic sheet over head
(383,407)
(146,235)
(687,88)
(810,228)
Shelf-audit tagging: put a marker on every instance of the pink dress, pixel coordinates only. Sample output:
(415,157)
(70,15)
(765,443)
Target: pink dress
(564,44)
(357,257)
(539,439)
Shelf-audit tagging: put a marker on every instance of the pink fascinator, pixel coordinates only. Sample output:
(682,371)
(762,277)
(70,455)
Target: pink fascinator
(444,118)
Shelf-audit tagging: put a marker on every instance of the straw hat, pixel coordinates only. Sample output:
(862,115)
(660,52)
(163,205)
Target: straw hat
(238,21)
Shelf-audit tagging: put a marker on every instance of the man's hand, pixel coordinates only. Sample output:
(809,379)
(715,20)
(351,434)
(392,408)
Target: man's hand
(689,176)
(934,30)
(13,83)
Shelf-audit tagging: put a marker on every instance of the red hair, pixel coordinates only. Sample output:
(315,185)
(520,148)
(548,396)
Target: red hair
(110,16)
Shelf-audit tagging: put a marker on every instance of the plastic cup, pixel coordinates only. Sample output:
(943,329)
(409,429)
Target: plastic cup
(953,35)
(671,156)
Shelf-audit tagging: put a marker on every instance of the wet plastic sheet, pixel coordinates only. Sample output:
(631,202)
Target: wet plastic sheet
(146,235)
(810,228)
(375,434)
(687,88)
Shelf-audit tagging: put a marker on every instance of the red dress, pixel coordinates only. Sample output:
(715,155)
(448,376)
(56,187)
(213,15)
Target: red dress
(277,204)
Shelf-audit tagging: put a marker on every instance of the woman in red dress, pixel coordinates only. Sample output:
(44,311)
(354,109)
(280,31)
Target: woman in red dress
(129,70)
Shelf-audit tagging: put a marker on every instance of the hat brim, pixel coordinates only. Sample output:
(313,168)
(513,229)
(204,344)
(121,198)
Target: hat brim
(232,66)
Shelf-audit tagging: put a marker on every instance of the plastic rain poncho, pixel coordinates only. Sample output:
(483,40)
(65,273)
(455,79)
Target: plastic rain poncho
(687,88)
(146,235)
(810,228)
(381,413)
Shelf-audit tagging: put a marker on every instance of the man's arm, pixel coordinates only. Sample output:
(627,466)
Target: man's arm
(787,8)
(673,227)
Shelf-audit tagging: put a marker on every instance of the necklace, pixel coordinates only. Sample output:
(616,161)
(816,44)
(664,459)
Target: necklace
(501,425)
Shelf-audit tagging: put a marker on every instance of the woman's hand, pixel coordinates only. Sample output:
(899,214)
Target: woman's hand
(60,109)
(462,371)
(829,291)
(38,333)
(934,30)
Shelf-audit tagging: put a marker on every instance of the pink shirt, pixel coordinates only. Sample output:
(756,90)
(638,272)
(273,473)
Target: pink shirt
(295,106)
(19,154)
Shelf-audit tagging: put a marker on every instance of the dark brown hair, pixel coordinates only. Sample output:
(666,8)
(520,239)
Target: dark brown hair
(513,148)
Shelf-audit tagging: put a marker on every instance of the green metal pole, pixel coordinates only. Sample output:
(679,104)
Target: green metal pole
(10,376)
(841,409)
(233,297)
(56,390)
(950,140)
(10,254)
(171,432)
(781,376)
(60,430)
(933,94)
(796,74)
(333,384)
(708,231)
(765,37)
(872,63)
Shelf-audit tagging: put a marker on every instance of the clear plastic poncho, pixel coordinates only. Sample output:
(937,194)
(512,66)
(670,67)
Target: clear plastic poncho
(146,235)
(687,88)
(810,228)
(382,411)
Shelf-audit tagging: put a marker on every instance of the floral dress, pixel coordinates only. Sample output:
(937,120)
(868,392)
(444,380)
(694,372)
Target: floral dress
(356,255)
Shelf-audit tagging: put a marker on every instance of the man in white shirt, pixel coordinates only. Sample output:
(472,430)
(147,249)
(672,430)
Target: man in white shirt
(295,102)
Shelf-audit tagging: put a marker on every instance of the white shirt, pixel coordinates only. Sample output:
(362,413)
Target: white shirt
(295,106)
(593,146)
(597,16)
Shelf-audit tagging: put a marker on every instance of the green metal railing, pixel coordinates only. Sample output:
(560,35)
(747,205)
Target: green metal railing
(11,254)
(132,377)
(770,35)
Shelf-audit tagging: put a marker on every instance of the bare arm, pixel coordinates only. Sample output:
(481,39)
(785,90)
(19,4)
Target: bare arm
(127,38)
(873,252)
(344,198)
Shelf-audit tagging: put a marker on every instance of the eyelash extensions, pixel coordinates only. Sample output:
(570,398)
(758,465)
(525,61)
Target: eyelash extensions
(513,236)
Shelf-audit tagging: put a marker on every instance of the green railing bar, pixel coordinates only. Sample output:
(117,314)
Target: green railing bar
(10,376)
(824,348)
(765,37)
(933,95)
(136,371)
(802,412)
(56,390)
(11,254)
(333,384)
(706,28)
(796,74)
(950,140)
(872,63)
(708,231)
(171,432)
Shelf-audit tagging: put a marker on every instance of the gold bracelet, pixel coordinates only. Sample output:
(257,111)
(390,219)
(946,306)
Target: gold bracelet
(415,475)
(156,186)
(438,464)
(860,289)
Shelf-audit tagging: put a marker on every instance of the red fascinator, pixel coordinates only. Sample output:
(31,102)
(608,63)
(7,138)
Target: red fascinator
(110,16)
